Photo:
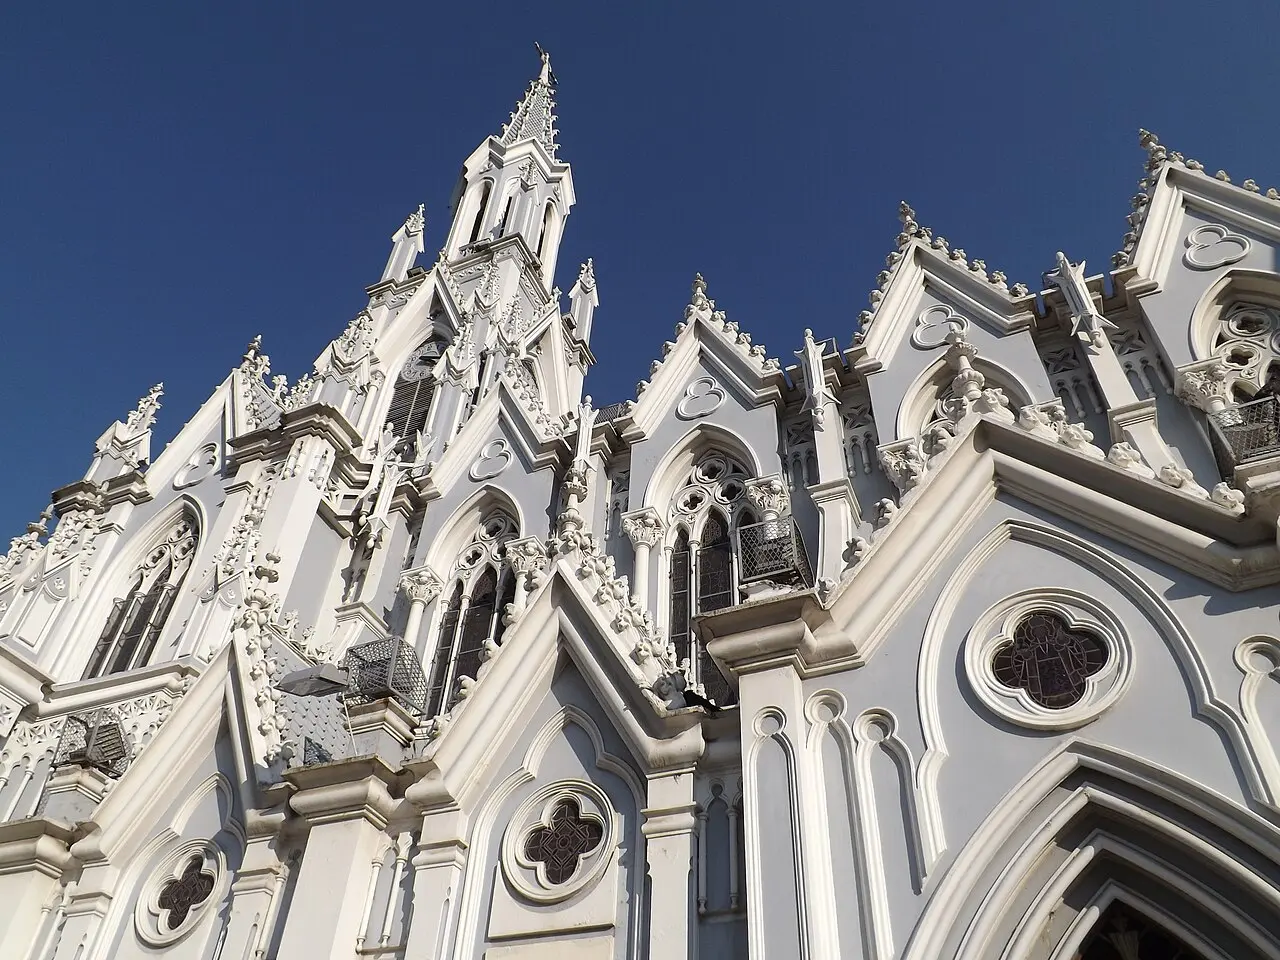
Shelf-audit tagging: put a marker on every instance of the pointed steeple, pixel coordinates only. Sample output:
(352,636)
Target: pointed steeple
(534,117)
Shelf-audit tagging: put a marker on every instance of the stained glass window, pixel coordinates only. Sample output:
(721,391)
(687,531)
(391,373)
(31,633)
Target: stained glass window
(1049,660)
(562,845)
(189,890)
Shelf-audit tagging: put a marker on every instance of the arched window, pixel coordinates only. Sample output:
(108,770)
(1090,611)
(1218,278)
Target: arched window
(1246,339)
(705,511)
(484,585)
(681,601)
(506,215)
(548,220)
(486,188)
(138,618)
(415,386)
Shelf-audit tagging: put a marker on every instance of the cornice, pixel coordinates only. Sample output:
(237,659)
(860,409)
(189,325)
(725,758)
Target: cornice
(35,843)
(362,787)
(1191,534)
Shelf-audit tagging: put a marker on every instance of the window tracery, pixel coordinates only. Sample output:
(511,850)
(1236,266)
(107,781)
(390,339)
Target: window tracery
(704,515)
(1248,340)
(472,619)
(138,618)
(1049,660)
(560,845)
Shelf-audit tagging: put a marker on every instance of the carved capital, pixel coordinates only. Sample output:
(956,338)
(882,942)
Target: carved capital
(527,556)
(643,527)
(1205,384)
(903,462)
(421,585)
(770,496)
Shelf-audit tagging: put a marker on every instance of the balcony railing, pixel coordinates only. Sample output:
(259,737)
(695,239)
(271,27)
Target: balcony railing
(1248,431)
(772,550)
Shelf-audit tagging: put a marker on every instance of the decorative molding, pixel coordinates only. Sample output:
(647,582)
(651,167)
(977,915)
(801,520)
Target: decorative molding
(644,527)
(152,919)
(1204,384)
(934,326)
(495,456)
(420,585)
(701,398)
(995,629)
(529,877)
(1212,246)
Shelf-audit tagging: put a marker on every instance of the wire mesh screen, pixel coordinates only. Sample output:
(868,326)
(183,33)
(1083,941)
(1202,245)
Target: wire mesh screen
(772,550)
(94,740)
(386,670)
(1250,430)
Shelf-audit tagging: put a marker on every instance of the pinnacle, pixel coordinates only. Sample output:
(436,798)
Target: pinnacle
(534,117)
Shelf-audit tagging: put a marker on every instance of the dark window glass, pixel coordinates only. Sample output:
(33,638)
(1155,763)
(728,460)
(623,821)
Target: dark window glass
(560,846)
(680,597)
(1049,660)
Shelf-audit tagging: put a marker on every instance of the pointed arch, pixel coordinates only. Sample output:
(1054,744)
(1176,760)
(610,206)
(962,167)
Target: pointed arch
(456,533)
(486,189)
(670,470)
(1092,825)
(1256,762)
(136,595)
(1237,283)
(919,400)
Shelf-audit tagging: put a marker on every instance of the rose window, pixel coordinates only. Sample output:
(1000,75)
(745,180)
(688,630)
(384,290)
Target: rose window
(1049,660)
(191,889)
(560,844)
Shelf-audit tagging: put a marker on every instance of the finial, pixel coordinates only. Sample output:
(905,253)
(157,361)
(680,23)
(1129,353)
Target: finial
(143,416)
(699,285)
(587,275)
(416,221)
(255,347)
(905,212)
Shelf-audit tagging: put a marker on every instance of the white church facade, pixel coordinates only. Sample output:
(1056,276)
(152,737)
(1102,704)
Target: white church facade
(958,641)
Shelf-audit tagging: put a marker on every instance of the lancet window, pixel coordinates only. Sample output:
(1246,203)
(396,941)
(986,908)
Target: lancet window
(414,389)
(138,618)
(471,622)
(704,516)
(485,189)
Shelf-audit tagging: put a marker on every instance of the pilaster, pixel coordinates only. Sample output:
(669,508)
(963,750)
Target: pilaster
(33,854)
(346,806)
(669,823)
(437,880)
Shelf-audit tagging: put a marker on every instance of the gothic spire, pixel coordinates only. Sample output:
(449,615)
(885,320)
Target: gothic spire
(534,117)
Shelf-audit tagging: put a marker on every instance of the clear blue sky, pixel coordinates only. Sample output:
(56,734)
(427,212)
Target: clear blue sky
(177,177)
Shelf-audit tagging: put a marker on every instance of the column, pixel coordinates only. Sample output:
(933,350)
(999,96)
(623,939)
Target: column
(346,806)
(644,529)
(1204,385)
(669,824)
(420,586)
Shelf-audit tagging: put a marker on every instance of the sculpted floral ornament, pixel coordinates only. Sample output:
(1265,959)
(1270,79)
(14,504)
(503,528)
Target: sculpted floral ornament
(421,586)
(258,665)
(904,462)
(1205,384)
(644,528)
(769,495)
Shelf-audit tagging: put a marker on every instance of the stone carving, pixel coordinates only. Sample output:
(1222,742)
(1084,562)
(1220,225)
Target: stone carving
(1180,478)
(421,586)
(1228,497)
(701,397)
(1205,384)
(494,458)
(1212,246)
(1125,456)
(770,496)
(1087,323)
(903,462)
(935,324)
(258,665)
(644,528)
(817,393)
(201,465)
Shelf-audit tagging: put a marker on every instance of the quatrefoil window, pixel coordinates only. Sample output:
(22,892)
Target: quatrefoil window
(191,889)
(1049,660)
(561,843)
